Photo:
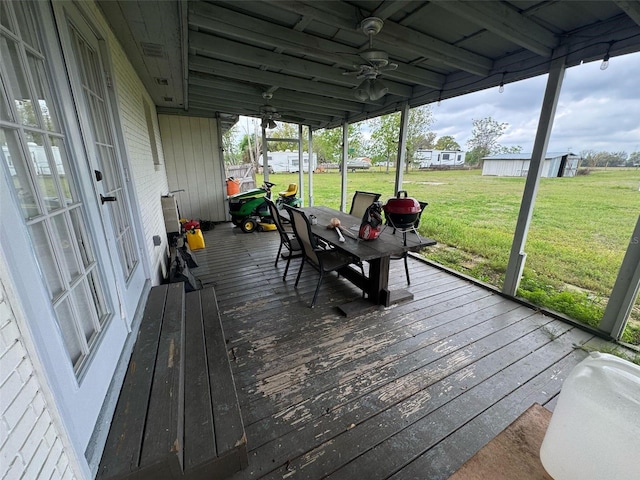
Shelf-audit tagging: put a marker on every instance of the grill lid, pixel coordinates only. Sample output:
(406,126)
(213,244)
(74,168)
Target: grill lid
(402,204)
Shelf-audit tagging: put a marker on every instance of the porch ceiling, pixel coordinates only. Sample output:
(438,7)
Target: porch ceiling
(207,58)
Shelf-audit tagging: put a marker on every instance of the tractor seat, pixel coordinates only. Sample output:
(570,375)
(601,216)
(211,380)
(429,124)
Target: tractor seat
(291,191)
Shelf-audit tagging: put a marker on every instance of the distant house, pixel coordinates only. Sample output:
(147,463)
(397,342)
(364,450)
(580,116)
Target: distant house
(556,164)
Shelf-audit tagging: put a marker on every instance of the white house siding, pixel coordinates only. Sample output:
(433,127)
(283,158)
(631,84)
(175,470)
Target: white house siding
(193,163)
(150,179)
(32,444)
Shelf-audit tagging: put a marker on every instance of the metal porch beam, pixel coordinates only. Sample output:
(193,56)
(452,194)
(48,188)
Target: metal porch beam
(517,257)
(625,290)
(343,172)
(402,142)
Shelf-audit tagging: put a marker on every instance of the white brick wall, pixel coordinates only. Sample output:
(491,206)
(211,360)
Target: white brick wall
(30,445)
(150,182)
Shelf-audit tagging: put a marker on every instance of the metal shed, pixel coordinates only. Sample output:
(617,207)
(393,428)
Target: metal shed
(556,164)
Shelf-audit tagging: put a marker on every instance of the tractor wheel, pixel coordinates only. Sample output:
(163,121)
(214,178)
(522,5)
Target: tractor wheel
(236,221)
(248,225)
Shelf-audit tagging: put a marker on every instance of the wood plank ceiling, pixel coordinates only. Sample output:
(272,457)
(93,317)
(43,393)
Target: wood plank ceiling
(230,58)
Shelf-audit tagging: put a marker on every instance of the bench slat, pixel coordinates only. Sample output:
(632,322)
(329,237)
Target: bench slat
(229,429)
(122,449)
(164,431)
(199,440)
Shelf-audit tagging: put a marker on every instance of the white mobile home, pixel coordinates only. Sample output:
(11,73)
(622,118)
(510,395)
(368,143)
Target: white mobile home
(288,161)
(556,164)
(439,158)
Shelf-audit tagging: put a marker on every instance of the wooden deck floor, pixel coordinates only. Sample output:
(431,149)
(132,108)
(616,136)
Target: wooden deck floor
(410,391)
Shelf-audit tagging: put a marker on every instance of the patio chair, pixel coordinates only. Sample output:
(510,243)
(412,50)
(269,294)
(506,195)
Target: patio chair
(413,228)
(287,239)
(323,260)
(361,200)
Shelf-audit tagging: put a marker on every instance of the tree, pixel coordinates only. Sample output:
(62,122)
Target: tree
(484,140)
(384,137)
(386,132)
(588,158)
(327,144)
(633,160)
(231,153)
(285,130)
(591,158)
(447,142)
(250,146)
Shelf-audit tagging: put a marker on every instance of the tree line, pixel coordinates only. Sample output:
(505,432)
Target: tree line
(380,143)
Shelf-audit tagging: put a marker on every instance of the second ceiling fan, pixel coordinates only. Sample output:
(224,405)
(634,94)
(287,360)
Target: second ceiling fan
(375,62)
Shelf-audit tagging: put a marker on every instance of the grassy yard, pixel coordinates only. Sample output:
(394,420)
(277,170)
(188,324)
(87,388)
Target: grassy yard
(578,236)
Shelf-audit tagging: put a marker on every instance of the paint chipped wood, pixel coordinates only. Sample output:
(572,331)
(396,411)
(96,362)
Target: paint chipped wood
(410,391)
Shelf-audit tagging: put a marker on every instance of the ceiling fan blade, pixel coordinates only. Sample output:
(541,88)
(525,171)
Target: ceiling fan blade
(390,66)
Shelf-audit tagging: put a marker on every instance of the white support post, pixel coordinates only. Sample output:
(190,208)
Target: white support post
(265,156)
(345,156)
(402,143)
(517,257)
(301,166)
(625,290)
(310,164)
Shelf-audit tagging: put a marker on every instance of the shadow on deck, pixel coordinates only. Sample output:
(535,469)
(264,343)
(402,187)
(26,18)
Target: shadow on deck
(409,391)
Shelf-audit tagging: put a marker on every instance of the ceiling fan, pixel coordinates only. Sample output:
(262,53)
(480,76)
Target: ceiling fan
(268,113)
(375,62)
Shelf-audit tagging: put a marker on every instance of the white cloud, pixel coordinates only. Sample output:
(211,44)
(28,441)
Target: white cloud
(597,110)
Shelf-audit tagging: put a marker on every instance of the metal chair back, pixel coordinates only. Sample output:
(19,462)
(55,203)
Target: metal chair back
(361,200)
(291,244)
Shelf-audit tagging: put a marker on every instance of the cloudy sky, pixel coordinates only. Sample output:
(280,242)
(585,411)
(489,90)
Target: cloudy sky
(598,110)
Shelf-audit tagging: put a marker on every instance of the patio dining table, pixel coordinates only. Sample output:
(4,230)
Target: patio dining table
(377,253)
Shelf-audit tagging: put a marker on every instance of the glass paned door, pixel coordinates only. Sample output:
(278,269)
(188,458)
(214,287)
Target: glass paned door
(95,97)
(105,153)
(33,154)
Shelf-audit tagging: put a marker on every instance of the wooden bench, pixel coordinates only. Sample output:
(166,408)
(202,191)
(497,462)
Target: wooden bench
(178,414)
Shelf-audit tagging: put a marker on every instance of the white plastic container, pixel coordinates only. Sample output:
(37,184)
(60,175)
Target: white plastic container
(594,432)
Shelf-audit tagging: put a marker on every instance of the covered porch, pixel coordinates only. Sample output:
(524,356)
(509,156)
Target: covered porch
(409,391)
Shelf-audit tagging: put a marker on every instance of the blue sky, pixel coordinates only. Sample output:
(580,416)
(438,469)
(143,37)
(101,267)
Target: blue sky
(597,110)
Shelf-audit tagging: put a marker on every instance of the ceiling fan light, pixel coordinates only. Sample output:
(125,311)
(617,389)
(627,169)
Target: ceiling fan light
(362,91)
(377,90)
(271,124)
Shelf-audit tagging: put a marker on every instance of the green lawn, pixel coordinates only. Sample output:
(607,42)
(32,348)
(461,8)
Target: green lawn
(578,236)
